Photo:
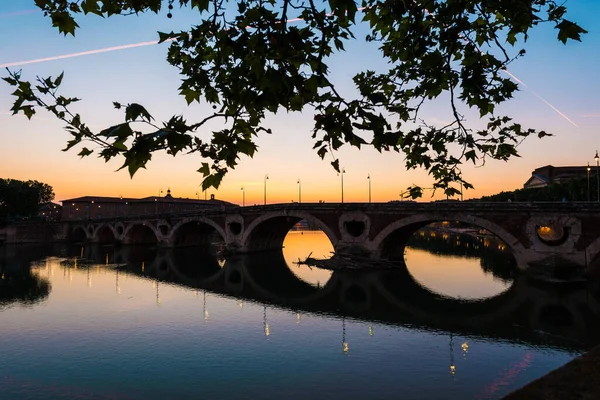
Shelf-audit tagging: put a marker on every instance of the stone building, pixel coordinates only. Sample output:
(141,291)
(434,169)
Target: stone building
(50,212)
(544,176)
(96,207)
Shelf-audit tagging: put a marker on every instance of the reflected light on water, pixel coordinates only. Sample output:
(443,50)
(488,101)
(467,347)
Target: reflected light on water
(455,277)
(93,337)
(300,244)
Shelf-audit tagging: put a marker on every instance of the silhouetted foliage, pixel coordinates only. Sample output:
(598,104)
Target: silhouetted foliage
(245,60)
(571,190)
(22,198)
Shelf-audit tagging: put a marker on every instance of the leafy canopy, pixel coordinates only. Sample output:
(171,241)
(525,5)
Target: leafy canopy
(23,198)
(245,59)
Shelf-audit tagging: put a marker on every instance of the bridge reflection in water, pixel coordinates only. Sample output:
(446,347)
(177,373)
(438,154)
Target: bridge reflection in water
(566,316)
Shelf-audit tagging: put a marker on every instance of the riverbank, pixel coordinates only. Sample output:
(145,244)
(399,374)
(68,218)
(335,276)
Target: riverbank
(577,379)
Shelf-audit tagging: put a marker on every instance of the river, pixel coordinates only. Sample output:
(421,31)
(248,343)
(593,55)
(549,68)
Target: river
(457,321)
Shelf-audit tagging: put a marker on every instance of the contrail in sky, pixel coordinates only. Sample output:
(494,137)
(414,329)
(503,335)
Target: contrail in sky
(540,97)
(17,13)
(515,78)
(82,53)
(154,42)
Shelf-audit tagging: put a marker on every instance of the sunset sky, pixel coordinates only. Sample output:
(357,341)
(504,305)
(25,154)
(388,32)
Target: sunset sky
(567,77)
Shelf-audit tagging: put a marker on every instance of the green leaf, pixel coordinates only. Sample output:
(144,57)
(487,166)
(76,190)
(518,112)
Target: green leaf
(569,30)
(134,111)
(204,169)
(85,152)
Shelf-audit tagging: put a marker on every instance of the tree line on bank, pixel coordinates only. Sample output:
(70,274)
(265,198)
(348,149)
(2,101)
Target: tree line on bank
(572,190)
(22,199)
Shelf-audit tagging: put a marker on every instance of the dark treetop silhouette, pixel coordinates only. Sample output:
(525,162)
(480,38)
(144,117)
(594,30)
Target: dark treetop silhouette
(245,59)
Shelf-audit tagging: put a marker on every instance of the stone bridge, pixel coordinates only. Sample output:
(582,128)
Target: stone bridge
(567,233)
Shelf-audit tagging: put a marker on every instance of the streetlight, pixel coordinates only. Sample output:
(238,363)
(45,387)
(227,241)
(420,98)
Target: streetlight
(342,172)
(299,191)
(369,179)
(160,191)
(588,176)
(197,196)
(265,189)
(597,176)
(243,197)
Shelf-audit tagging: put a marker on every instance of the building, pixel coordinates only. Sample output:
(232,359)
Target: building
(50,212)
(96,207)
(544,176)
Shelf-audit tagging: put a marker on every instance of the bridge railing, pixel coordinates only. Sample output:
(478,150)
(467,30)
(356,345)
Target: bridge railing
(394,206)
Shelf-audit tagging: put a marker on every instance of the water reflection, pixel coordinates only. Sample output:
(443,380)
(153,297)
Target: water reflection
(563,316)
(460,266)
(18,284)
(117,315)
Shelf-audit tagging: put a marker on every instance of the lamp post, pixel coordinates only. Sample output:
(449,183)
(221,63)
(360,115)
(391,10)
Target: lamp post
(160,191)
(243,197)
(342,172)
(369,179)
(597,176)
(299,191)
(265,189)
(588,176)
(197,196)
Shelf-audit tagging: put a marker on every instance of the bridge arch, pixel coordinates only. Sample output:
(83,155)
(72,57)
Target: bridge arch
(204,227)
(79,234)
(401,230)
(140,233)
(105,233)
(268,231)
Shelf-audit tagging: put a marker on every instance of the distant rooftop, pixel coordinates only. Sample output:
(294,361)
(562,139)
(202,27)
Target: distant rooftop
(151,199)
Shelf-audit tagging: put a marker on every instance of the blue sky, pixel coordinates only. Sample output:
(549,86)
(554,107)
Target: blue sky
(566,76)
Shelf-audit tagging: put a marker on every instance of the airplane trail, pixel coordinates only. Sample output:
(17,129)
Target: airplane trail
(540,97)
(17,13)
(82,53)
(515,78)
(151,43)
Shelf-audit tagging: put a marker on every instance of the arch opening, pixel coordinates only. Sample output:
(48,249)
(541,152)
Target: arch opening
(140,234)
(78,235)
(354,228)
(163,229)
(269,231)
(552,234)
(197,234)
(455,260)
(299,235)
(235,228)
(105,235)
(298,245)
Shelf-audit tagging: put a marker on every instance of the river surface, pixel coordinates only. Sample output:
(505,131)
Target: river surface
(458,321)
